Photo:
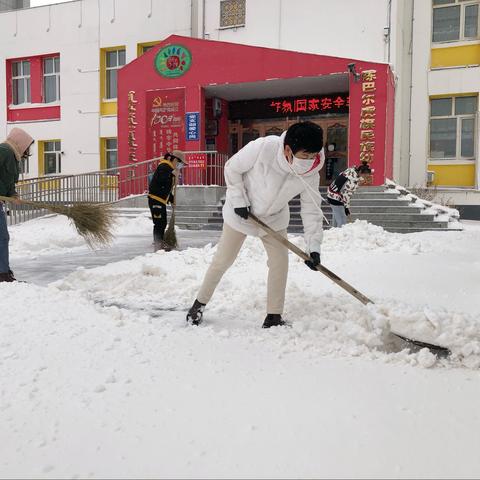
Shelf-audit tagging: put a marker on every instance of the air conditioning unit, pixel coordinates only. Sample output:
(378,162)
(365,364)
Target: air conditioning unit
(430,177)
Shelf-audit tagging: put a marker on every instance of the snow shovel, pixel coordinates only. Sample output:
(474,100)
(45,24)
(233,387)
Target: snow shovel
(436,349)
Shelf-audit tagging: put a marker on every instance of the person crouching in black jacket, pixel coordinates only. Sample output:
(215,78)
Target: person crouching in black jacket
(161,191)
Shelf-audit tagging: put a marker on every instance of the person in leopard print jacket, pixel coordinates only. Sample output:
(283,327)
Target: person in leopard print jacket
(340,192)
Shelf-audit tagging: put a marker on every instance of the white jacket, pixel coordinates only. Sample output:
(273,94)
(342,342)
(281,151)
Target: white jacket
(258,176)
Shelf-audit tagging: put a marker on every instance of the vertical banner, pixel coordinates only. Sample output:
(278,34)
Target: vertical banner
(369,139)
(192,124)
(165,121)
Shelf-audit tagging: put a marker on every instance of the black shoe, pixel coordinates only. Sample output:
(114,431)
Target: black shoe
(195,314)
(273,320)
(7,277)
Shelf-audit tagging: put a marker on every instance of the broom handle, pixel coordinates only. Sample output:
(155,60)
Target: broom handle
(17,200)
(293,248)
(174,190)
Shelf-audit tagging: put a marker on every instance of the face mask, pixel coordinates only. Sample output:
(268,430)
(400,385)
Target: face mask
(180,165)
(301,166)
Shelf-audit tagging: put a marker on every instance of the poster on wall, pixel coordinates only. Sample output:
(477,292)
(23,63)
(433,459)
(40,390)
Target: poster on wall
(197,160)
(165,121)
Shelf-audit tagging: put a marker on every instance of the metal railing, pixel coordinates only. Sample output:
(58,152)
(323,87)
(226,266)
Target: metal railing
(110,185)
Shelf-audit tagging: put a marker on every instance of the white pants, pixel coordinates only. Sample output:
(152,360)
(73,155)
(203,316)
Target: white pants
(227,250)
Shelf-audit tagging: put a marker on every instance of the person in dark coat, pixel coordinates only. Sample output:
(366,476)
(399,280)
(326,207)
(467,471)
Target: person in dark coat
(15,148)
(160,192)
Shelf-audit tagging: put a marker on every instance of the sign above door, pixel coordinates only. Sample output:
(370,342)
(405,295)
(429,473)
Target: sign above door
(308,105)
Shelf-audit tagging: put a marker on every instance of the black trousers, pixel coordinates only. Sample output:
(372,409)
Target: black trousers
(159,218)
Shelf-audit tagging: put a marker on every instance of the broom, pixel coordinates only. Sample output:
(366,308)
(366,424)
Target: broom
(170,237)
(93,221)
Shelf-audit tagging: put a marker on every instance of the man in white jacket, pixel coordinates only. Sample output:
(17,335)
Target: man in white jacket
(262,178)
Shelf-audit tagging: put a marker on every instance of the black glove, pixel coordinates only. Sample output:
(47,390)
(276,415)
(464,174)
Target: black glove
(314,260)
(171,198)
(347,212)
(242,211)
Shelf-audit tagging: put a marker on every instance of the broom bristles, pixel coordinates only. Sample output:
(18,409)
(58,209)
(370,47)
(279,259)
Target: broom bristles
(170,236)
(93,221)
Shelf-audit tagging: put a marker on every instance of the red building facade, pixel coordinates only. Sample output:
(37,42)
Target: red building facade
(197,95)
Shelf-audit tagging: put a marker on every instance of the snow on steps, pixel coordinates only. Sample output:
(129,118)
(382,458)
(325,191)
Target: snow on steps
(391,207)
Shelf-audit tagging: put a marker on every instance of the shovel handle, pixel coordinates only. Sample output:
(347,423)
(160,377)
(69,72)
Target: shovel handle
(304,256)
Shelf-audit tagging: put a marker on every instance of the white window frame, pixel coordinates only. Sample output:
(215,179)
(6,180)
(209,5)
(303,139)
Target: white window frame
(463,4)
(458,159)
(58,159)
(107,151)
(111,69)
(55,73)
(25,80)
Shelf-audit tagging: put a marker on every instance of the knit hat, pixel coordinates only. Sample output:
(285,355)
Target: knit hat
(19,140)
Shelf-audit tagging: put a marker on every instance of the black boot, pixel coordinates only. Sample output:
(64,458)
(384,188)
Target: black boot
(273,320)
(195,314)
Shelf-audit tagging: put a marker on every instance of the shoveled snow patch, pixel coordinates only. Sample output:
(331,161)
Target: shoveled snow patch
(54,234)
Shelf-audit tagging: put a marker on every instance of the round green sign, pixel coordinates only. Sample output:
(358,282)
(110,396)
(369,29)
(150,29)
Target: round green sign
(173,61)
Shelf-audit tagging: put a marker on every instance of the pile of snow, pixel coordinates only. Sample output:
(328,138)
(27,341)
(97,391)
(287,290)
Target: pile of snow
(362,235)
(441,213)
(164,285)
(325,319)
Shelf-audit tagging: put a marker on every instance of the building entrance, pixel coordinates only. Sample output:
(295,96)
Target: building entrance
(335,132)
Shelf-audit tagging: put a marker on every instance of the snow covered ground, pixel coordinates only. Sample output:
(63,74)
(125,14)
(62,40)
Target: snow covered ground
(102,378)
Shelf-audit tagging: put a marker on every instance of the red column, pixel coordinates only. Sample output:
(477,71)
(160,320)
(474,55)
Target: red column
(371,119)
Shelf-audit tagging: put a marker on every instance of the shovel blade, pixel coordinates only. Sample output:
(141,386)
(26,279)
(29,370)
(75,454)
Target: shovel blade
(437,350)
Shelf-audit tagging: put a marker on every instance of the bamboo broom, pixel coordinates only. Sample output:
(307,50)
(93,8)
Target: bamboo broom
(170,237)
(93,221)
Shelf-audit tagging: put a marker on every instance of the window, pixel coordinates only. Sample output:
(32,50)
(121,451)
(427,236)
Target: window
(31,82)
(52,159)
(114,60)
(21,82)
(452,128)
(145,47)
(51,79)
(24,165)
(232,13)
(111,154)
(455,20)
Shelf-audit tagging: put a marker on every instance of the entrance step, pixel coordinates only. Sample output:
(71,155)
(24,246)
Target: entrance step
(376,205)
